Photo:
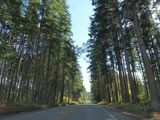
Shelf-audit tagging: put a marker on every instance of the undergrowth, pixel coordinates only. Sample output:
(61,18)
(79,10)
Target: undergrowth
(144,108)
(7,108)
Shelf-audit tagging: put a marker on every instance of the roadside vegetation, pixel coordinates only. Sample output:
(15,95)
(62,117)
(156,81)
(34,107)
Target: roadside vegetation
(143,109)
(38,60)
(7,108)
(124,54)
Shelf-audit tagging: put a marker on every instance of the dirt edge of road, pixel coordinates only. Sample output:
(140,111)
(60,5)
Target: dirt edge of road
(127,113)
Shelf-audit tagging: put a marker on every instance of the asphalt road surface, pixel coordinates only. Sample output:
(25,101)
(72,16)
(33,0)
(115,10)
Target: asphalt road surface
(86,111)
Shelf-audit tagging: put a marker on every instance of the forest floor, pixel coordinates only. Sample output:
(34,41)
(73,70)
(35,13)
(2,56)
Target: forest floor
(7,108)
(143,109)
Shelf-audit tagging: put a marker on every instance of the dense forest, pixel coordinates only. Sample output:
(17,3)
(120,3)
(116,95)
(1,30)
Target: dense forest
(38,58)
(39,61)
(124,51)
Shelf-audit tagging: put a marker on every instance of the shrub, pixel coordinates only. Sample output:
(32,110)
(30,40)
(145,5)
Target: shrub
(144,109)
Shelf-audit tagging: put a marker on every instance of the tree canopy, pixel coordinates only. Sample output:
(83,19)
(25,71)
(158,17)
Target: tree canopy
(123,51)
(38,59)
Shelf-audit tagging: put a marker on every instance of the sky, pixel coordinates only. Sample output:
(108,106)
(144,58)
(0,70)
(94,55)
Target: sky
(80,11)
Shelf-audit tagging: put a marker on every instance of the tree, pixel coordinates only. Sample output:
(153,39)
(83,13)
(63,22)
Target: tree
(120,26)
(38,58)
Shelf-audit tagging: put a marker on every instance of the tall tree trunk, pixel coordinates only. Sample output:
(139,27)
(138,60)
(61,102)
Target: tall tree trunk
(133,86)
(16,78)
(155,98)
(36,63)
(1,83)
(57,72)
(143,73)
(125,82)
(28,78)
(116,88)
(108,93)
(22,80)
(69,91)
(62,86)
(118,57)
(18,66)
(11,83)
(48,73)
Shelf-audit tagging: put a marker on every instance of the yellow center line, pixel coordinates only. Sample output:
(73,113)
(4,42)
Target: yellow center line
(59,117)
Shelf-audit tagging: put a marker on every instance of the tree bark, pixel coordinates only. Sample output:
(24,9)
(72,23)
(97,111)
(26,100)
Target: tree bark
(62,87)
(48,73)
(155,98)
(118,57)
(1,83)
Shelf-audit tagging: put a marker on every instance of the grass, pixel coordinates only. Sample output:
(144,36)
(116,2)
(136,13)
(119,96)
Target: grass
(143,108)
(12,108)
(7,108)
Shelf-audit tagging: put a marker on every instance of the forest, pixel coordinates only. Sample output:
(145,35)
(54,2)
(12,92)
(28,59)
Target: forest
(124,51)
(38,58)
(39,61)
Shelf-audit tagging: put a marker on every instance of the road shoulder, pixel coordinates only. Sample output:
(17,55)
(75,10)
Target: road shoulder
(130,114)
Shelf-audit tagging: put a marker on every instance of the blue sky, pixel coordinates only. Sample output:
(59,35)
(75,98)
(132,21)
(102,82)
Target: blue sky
(80,11)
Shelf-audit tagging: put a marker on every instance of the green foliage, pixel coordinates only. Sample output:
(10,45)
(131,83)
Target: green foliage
(12,108)
(116,54)
(144,109)
(38,60)
(103,103)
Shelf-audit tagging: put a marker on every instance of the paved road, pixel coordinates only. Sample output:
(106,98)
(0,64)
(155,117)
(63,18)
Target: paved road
(76,112)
